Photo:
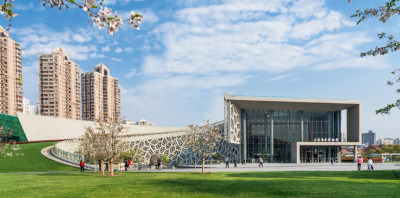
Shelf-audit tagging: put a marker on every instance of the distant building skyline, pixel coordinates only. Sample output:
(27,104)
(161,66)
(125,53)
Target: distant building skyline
(386,141)
(27,108)
(369,138)
(144,122)
(10,75)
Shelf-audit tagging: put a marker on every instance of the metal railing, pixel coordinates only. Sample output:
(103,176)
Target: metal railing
(66,156)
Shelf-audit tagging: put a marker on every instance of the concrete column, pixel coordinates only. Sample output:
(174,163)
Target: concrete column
(265,133)
(244,135)
(355,153)
(271,150)
(302,127)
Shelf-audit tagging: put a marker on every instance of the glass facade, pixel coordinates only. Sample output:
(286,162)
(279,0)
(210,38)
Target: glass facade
(271,134)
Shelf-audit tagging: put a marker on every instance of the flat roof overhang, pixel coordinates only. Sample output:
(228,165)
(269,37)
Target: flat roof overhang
(328,143)
(291,103)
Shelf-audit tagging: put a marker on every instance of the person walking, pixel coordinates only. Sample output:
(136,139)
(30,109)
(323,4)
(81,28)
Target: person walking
(226,162)
(82,165)
(370,167)
(359,162)
(261,162)
(331,161)
(244,161)
(126,165)
(99,166)
(129,164)
(234,162)
(106,169)
(159,163)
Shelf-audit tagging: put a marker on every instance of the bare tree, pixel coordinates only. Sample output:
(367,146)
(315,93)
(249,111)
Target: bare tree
(203,140)
(104,142)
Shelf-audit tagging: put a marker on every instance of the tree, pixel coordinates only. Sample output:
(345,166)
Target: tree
(7,143)
(135,154)
(371,151)
(203,140)
(102,16)
(104,142)
(378,151)
(384,13)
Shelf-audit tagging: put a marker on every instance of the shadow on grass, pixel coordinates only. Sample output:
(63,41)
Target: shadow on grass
(376,175)
(301,186)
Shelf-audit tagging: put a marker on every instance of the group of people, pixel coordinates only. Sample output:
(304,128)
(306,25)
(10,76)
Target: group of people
(369,163)
(128,164)
(227,162)
(261,162)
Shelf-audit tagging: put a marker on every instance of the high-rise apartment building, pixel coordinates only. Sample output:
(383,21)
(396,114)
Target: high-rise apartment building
(369,138)
(100,95)
(59,85)
(10,75)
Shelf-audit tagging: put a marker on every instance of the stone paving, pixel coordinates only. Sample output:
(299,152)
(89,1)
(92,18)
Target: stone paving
(285,167)
(251,167)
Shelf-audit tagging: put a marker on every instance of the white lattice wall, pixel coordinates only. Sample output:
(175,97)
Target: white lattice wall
(234,124)
(171,144)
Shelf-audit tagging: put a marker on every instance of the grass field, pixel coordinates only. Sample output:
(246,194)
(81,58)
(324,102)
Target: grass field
(32,161)
(177,184)
(249,184)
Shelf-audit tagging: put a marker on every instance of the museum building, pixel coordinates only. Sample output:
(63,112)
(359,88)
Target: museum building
(290,130)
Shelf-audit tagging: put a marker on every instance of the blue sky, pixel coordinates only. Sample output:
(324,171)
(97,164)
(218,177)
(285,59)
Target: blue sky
(187,53)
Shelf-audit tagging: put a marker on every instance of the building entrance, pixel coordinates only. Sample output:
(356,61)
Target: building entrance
(318,154)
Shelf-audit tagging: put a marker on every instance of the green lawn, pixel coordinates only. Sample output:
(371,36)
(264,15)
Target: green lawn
(249,184)
(32,161)
(233,184)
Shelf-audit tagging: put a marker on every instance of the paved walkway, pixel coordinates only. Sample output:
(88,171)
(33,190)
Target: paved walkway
(284,167)
(249,167)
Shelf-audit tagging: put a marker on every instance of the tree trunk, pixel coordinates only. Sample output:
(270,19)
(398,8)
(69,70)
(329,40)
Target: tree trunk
(210,165)
(112,166)
(102,166)
(119,168)
(202,168)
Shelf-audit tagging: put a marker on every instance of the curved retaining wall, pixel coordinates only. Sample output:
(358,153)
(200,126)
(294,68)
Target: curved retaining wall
(65,151)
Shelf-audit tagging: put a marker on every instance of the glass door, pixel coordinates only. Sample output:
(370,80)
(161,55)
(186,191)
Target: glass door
(321,156)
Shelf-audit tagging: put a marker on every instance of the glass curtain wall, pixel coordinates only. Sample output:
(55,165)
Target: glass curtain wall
(269,134)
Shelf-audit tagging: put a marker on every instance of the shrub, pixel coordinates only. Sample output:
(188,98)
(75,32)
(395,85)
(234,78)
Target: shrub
(165,159)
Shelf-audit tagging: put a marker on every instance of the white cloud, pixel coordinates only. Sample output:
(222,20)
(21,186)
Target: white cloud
(39,38)
(163,95)
(23,7)
(116,59)
(105,49)
(114,2)
(118,50)
(128,49)
(149,16)
(95,55)
(280,77)
(246,36)
(132,72)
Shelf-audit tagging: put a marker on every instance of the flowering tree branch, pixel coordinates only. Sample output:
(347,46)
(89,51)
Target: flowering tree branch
(102,17)
(384,13)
